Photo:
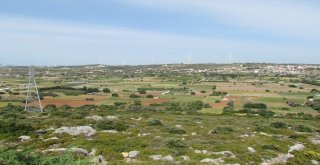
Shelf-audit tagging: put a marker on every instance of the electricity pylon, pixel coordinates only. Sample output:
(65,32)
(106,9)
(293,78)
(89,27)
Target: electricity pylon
(33,102)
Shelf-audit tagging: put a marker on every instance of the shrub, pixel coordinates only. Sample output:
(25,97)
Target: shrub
(106,90)
(176,130)
(137,103)
(134,96)
(150,96)
(111,125)
(13,127)
(203,91)
(119,103)
(196,105)
(115,95)
(207,105)
(176,143)
(278,125)
(303,128)
(222,129)
(89,99)
(271,147)
(154,122)
(142,90)
(255,106)
(50,107)
(193,93)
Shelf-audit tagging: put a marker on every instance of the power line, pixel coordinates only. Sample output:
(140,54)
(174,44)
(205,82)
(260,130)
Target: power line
(33,102)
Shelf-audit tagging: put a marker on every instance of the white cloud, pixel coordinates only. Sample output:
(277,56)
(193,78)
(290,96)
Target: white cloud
(58,42)
(290,18)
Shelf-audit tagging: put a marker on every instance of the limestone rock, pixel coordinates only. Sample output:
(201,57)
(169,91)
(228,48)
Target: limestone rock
(218,161)
(24,138)
(251,150)
(55,150)
(86,130)
(133,154)
(80,151)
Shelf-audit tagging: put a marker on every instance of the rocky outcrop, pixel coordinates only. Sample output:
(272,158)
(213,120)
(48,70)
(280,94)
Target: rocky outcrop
(74,131)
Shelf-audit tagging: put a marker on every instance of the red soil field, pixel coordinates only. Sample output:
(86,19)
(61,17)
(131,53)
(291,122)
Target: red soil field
(154,101)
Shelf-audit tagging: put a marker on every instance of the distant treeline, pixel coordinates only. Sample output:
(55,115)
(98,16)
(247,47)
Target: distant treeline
(70,90)
(311,82)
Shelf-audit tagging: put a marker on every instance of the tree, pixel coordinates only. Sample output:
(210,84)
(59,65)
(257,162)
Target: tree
(150,96)
(255,106)
(134,96)
(106,90)
(142,90)
(214,87)
(115,95)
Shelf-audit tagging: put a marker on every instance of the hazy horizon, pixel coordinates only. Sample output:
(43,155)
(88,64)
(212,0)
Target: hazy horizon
(140,32)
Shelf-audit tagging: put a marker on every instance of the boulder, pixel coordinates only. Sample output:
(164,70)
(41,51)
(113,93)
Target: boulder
(185,158)
(251,150)
(125,154)
(296,147)
(314,162)
(218,161)
(94,117)
(156,157)
(197,151)
(80,151)
(133,154)
(53,138)
(24,138)
(163,158)
(110,131)
(112,118)
(193,134)
(99,160)
(55,150)
(93,152)
(167,158)
(74,131)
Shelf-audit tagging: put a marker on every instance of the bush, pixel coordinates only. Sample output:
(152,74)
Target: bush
(15,128)
(193,93)
(50,107)
(142,90)
(106,90)
(176,130)
(278,125)
(255,106)
(176,143)
(303,128)
(134,96)
(115,95)
(271,147)
(111,125)
(149,96)
(207,105)
(197,105)
(154,122)
(89,99)
(26,156)
(222,129)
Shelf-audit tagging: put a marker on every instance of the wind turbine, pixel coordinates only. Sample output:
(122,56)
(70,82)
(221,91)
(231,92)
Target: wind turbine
(189,59)
(230,58)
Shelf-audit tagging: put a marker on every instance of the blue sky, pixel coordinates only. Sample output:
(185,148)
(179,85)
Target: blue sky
(71,32)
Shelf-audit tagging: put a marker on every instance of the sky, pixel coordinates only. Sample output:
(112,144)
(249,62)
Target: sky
(132,32)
